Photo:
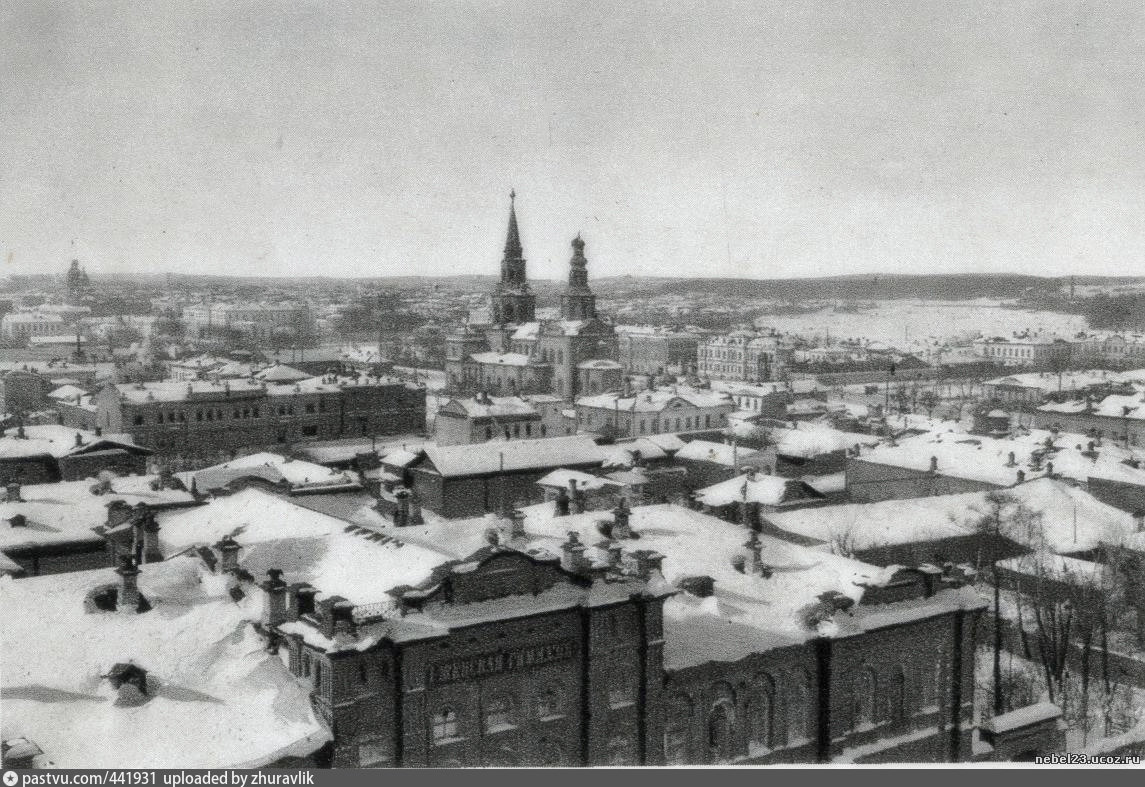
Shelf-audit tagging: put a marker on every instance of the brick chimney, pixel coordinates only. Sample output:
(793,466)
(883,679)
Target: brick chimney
(934,464)
(755,554)
(151,550)
(402,512)
(228,550)
(128,598)
(300,600)
(1021,476)
(1011,460)
(572,554)
(12,494)
(336,616)
(621,516)
(275,611)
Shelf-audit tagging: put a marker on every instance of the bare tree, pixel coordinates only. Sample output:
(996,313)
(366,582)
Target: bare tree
(1002,517)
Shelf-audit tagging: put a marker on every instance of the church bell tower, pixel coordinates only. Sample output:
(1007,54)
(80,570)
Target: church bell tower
(512,300)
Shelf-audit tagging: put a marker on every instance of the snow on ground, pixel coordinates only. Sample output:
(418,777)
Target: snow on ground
(900,323)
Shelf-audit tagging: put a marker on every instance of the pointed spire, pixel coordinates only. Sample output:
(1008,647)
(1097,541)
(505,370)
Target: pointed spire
(513,238)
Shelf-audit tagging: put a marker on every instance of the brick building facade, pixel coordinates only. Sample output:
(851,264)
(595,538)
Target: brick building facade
(205,418)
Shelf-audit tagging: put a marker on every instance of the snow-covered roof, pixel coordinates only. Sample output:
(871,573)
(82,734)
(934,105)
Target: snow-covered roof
(657,400)
(748,613)
(401,457)
(501,359)
(559,479)
(808,440)
(512,455)
(1072,520)
(718,453)
(271,467)
(67,511)
(987,459)
(527,331)
(494,406)
(306,545)
(67,392)
(623,454)
(666,440)
(1050,382)
(57,441)
(1060,568)
(1023,717)
(216,698)
(281,373)
(769,490)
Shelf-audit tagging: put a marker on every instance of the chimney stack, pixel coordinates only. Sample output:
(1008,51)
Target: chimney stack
(1049,468)
(228,550)
(1021,476)
(402,512)
(128,598)
(300,600)
(1011,460)
(934,464)
(275,611)
(621,516)
(13,492)
(755,551)
(572,554)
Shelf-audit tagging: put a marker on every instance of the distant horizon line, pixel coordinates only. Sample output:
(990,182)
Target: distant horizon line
(1079,278)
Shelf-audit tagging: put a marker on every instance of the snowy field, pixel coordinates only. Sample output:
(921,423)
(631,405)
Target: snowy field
(915,321)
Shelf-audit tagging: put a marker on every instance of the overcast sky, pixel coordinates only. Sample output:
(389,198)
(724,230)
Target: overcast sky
(681,138)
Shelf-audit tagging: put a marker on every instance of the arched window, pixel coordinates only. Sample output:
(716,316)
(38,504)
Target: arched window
(799,708)
(444,725)
(761,713)
(896,696)
(865,688)
(720,720)
(498,714)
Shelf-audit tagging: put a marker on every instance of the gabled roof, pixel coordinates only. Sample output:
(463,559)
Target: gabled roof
(516,455)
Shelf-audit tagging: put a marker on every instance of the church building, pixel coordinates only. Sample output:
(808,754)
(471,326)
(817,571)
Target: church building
(517,353)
